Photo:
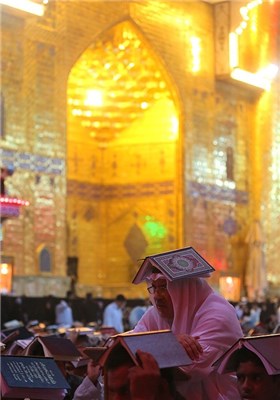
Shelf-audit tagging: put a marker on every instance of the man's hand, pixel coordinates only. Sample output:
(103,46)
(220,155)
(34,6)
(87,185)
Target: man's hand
(191,345)
(144,379)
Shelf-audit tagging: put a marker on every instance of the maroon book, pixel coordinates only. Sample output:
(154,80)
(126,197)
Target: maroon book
(266,347)
(61,349)
(162,345)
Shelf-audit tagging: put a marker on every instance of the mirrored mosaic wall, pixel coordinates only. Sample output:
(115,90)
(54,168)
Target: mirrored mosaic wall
(125,143)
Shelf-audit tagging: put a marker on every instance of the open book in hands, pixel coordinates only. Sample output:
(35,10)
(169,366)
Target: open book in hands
(162,344)
(32,377)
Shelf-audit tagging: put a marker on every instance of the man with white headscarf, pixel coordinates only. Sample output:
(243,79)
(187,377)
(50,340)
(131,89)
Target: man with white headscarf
(205,324)
(203,321)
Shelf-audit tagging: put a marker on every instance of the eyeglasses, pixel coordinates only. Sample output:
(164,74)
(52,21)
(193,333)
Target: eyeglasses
(159,289)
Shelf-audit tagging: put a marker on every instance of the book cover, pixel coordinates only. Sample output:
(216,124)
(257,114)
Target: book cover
(95,352)
(163,345)
(10,338)
(17,333)
(61,349)
(266,347)
(34,377)
(176,264)
(83,360)
(17,347)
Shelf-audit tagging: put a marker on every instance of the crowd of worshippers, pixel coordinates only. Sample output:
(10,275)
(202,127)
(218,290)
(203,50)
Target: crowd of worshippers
(255,317)
(73,311)
(205,324)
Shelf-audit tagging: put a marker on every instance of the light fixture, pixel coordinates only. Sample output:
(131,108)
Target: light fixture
(233,50)
(228,63)
(254,79)
(10,207)
(94,97)
(261,79)
(6,275)
(230,286)
(26,5)
(4,269)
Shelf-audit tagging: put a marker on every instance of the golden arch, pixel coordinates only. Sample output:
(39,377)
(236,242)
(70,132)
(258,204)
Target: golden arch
(123,158)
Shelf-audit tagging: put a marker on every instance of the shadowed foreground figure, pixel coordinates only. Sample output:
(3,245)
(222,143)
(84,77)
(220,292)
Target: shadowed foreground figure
(123,380)
(253,380)
(126,381)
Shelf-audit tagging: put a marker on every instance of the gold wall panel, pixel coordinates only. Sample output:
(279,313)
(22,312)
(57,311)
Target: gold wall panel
(195,168)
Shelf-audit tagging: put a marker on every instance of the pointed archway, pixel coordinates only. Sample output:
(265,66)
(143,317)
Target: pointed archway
(123,159)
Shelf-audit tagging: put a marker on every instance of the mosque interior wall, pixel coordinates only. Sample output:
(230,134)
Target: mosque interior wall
(177,157)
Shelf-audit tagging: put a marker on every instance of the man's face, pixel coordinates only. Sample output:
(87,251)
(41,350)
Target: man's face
(161,298)
(118,383)
(121,304)
(255,384)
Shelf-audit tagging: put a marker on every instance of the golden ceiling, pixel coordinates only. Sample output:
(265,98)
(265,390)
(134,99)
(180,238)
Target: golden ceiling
(113,83)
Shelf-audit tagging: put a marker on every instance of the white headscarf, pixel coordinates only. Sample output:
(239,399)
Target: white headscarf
(193,298)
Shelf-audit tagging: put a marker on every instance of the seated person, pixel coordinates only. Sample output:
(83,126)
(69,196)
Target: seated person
(92,387)
(127,381)
(256,363)
(253,380)
(137,312)
(204,323)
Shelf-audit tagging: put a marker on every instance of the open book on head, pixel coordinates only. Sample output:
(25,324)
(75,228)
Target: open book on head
(176,264)
(18,333)
(61,349)
(266,347)
(162,344)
